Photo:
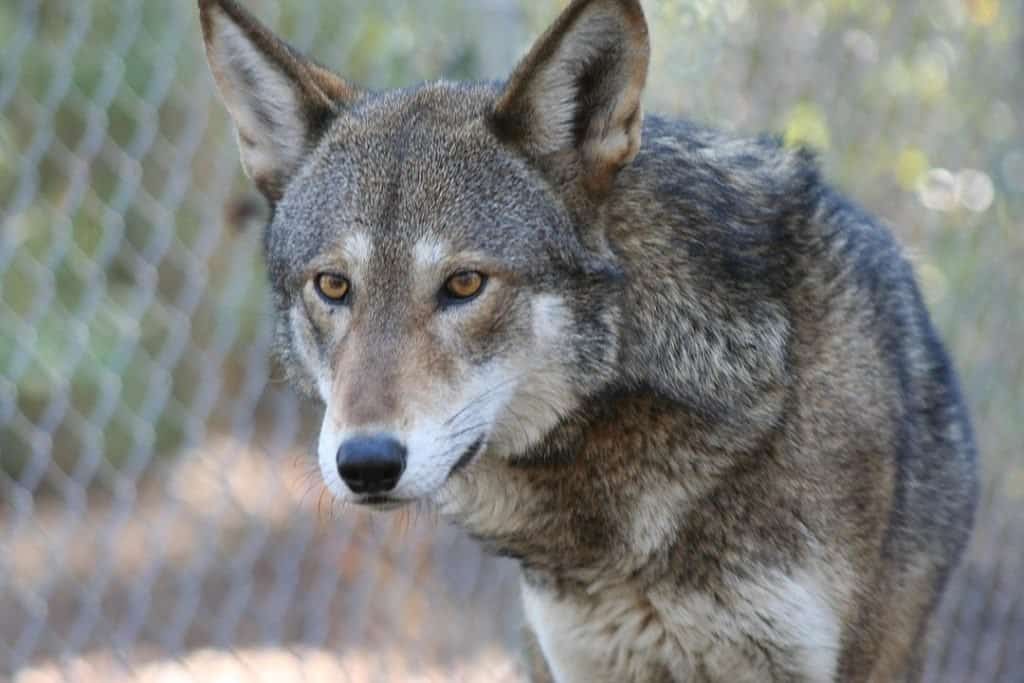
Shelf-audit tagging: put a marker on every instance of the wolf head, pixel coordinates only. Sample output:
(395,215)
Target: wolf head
(437,281)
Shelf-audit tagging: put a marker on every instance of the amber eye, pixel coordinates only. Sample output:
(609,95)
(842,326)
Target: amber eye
(464,285)
(332,287)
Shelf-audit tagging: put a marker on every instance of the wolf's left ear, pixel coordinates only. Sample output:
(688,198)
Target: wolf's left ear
(577,92)
(280,101)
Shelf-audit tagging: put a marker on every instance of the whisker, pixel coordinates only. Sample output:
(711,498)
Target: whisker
(481,396)
(472,428)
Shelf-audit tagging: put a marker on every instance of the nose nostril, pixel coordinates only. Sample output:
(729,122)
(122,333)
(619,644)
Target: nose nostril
(371,464)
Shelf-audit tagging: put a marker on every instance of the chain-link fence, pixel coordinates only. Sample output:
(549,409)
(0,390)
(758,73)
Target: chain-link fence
(160,513)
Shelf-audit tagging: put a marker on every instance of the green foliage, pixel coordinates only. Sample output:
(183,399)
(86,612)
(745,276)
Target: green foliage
(806,127)
(113,159)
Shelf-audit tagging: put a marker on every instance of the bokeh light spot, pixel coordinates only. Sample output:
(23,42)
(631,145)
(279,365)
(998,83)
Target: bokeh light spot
(911,165)
(806,126)
(983,12)
(974,190)
(937,190)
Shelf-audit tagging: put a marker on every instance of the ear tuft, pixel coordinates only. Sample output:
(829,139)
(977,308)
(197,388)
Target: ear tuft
(279,101)
(577,92)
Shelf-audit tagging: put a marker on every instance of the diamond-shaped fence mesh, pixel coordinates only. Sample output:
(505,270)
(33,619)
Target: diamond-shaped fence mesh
(161,517)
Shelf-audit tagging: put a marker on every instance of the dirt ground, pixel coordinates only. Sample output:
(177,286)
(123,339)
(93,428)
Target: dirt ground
(273,665)
(228,565)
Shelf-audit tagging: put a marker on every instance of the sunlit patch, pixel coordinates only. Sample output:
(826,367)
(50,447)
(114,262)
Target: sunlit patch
(911,165)
(806,125)
(983,12)
(937,190)
(974,190)
(942,190)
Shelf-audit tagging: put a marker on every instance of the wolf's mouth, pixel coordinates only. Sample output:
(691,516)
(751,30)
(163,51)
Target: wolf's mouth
(382,503)
(468,455)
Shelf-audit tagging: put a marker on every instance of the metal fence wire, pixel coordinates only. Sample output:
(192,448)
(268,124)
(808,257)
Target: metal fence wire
(161,518)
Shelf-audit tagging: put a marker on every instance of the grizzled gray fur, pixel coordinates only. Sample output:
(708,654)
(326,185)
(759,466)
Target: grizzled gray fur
(692,389)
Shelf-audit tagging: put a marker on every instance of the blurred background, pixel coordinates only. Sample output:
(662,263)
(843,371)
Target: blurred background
(161,518)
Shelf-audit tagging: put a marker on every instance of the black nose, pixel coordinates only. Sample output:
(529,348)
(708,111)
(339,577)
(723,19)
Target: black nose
(371,464)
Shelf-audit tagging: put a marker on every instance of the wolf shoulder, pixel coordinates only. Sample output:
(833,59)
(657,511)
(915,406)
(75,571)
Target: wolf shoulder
(797,305)
(748,229)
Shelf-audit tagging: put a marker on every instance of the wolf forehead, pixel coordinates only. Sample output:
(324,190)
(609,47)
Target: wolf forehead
(418,165)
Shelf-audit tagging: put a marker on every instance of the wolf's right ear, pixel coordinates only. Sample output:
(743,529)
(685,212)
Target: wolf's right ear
(280,101)
(576,94)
